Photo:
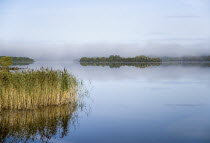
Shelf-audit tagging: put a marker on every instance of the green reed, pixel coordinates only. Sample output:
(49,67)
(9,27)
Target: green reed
(35,88)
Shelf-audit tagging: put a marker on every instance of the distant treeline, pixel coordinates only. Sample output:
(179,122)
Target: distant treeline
(117,58)
(186,58)
(20,59)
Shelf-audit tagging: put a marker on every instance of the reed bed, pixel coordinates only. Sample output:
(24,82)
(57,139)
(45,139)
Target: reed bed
(31,89)
(38,124)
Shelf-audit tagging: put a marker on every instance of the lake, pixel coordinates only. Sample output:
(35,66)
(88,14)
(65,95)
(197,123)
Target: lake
(129,104)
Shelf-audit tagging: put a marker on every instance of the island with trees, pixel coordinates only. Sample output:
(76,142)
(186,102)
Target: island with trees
(119,59)
(6,62)
(17,60)
(20,59)
(143,59)
(116,61)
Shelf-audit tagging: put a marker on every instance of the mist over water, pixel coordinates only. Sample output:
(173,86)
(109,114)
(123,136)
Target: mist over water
(68,52)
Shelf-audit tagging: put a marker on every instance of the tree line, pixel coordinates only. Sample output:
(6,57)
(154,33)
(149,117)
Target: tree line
(20,59)
(5,62)
(117,58)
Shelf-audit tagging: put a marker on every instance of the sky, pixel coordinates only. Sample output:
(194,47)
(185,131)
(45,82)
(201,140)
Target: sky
(69,29)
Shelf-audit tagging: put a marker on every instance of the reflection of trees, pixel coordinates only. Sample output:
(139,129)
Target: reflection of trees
(117,58)
(144,65)
(188,64)
(118,65)
(21,63)
(41,124)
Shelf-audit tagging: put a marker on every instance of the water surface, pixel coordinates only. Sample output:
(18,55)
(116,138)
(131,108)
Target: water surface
(162,103)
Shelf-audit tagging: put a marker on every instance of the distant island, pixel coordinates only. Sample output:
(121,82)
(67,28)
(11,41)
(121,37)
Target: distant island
(6,62)
(20,60)
(117,58)
(143,59)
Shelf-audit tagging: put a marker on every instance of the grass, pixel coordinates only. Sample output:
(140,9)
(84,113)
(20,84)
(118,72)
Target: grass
(32,89)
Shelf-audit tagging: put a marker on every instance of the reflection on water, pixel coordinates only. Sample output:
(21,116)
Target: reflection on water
(41,124)
(144,65)
(21,63)
(118,65)
(188,64)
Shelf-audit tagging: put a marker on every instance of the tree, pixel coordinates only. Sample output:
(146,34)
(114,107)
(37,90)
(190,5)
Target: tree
(6,61)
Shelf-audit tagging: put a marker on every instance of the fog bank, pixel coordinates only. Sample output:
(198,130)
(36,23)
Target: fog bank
(67,52)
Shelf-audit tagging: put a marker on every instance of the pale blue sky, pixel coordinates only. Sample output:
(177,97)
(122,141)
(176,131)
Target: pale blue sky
(105,21)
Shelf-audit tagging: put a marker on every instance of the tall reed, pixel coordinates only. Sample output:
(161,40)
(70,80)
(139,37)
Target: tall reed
(35,88)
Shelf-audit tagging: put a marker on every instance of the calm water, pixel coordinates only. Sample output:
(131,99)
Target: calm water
(128,104)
